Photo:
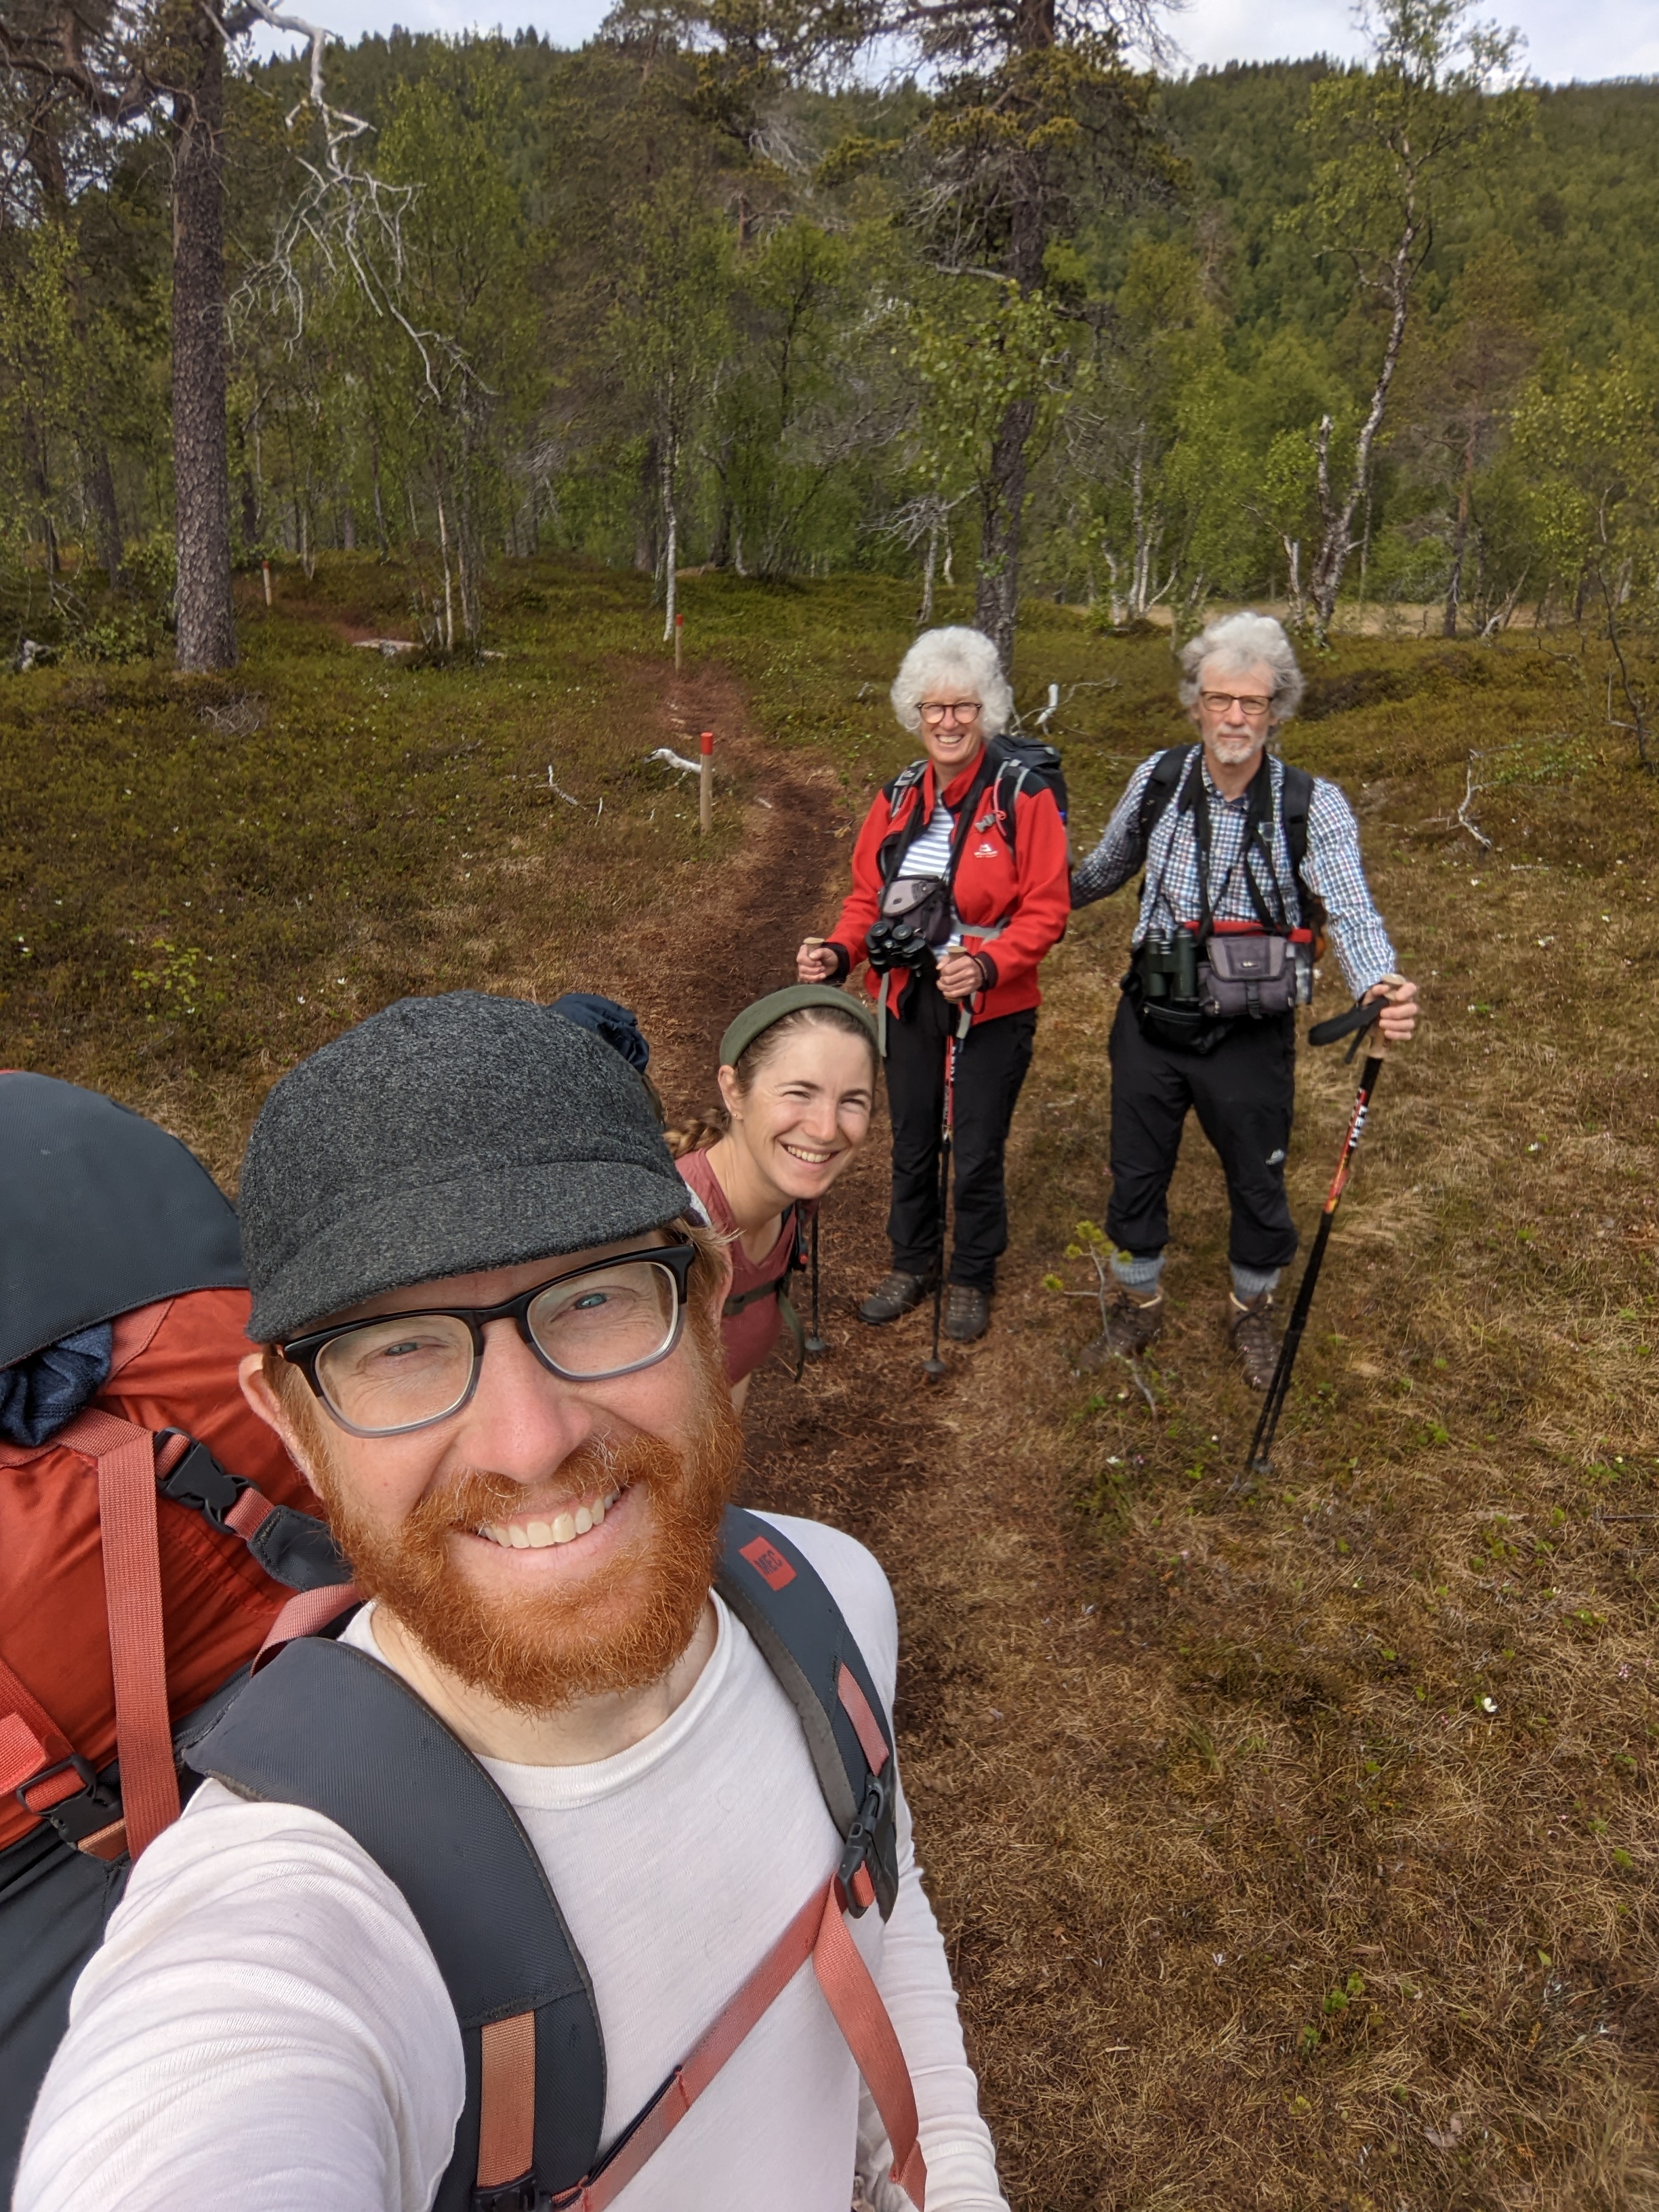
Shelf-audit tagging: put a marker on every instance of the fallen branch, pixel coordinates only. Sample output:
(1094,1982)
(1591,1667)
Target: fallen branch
(1464,821)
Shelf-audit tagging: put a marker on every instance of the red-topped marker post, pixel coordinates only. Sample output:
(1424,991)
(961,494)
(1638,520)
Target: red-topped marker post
(705,783)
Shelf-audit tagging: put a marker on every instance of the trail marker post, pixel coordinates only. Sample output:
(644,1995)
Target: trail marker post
(265,567)
(705,783)
(679,634)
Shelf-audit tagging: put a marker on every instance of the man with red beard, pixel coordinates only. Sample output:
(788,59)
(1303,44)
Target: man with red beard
(493,1343)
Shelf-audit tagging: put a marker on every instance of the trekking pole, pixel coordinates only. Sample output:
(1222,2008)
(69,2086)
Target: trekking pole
(933,1366)
(814,1343)
(1261,1444)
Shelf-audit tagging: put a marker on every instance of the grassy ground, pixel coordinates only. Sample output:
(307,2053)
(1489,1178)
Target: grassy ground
(1293,1846)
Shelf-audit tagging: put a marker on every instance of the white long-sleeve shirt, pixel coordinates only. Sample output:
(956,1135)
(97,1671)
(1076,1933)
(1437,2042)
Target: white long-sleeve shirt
(265,2026)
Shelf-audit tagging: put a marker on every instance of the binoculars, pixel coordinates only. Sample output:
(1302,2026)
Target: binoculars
(1169,965)
(897,944)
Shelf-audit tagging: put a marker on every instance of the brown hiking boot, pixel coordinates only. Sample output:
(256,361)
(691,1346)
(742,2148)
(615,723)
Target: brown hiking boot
(895,1294)
(967,1313)
(1131,1325)
(1251,1325)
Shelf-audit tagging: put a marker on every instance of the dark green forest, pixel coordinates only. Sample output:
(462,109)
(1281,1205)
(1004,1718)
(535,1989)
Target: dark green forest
(686,297)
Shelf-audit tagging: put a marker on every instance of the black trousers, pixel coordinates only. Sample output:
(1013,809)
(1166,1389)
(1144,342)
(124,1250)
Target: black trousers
(1243,1094)
(991,1064)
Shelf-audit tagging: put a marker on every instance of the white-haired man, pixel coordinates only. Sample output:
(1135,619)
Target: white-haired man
(1245,860)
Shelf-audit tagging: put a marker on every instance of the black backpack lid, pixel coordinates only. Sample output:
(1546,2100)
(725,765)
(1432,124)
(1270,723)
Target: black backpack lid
(101,1211)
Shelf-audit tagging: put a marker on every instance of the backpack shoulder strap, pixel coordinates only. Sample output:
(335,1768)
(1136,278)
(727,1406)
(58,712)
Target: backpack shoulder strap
(1295,803)
(802,1633)
(1160,787)
(893,844)
(328,1727)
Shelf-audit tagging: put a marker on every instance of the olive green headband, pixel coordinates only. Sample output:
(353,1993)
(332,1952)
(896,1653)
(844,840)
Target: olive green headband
(745,1027)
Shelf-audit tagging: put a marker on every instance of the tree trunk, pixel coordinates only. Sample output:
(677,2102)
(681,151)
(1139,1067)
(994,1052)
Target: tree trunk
(206,627)
(449,591)
(671,521)
(1002,508)
(105,514)
(925,613)
(1460,535)
(1336,539)
(382,537)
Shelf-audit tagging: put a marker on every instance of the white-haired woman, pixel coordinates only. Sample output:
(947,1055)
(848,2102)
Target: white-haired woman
(1245,860)
(959,889)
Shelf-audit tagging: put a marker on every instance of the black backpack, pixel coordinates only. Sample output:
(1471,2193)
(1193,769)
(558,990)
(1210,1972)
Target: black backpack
(1295,800)
(328,1727)
(1012,765)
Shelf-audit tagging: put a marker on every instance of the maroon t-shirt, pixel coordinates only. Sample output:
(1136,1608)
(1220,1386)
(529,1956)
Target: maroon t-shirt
(749,1336)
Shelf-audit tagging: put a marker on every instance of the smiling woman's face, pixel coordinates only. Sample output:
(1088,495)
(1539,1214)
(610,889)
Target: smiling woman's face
(952,727)
(807,1110)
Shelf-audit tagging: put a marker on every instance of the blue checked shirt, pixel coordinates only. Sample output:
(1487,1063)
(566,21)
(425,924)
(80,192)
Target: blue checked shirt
(1333,868)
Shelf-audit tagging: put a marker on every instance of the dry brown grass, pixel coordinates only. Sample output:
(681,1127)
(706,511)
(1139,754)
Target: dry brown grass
(1312,1852)
(1254,1902)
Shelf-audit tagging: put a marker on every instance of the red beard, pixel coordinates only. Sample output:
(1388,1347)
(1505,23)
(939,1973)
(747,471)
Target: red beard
(629,1622)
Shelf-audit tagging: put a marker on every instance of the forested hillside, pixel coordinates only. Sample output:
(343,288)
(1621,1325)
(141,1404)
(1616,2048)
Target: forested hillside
(659,302)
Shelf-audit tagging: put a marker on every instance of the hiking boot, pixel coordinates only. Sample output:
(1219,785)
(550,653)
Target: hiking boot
(1251,1325)
(895,1294)
(1131,1325)
(967,1313)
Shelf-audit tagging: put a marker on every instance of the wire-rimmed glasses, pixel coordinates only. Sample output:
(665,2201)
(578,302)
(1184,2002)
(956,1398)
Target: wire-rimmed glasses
(1249,703)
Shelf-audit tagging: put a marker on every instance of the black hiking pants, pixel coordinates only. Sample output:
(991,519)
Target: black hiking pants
(991,1063)
(1243,1094)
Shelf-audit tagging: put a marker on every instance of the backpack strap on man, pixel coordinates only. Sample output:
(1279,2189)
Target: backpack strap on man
(1156,793)
(780,1599)
(1295,804)
(293,1547)
(375,1758)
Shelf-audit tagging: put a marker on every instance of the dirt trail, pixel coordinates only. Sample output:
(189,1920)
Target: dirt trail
(937,1478)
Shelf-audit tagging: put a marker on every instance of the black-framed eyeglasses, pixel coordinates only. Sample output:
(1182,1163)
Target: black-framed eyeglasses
(395,1372)
(958,710)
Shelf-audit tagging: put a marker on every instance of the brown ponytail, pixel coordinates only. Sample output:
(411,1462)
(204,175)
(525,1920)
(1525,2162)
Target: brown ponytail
(694,1133)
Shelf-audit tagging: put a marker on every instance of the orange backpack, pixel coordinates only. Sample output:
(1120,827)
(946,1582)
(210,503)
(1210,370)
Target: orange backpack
(147,1540)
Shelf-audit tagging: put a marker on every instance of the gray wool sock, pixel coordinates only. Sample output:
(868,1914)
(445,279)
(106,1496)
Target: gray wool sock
(1138,1271)
(1250,1282)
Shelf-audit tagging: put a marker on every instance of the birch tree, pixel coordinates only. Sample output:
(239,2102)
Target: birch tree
(1393,143)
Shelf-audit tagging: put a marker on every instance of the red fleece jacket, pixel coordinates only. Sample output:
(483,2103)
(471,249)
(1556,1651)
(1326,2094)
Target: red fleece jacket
(1024,882)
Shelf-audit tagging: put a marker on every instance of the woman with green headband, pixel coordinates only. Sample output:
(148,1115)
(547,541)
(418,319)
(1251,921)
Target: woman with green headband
(798,1085)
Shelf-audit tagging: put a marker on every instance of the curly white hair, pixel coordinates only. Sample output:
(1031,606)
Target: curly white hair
(958,659)
(1236,643)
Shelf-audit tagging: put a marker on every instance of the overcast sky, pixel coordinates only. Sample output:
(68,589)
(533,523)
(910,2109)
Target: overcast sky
(1589,38)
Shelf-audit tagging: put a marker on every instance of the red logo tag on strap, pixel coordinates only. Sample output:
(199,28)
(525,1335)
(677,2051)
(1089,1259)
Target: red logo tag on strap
(768,1563)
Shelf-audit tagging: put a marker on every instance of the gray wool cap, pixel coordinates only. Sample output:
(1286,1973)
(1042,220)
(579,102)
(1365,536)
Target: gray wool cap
(440,1137)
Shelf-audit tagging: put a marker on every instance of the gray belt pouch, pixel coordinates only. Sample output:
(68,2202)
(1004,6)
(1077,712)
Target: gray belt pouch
(922,901)
(1244,973)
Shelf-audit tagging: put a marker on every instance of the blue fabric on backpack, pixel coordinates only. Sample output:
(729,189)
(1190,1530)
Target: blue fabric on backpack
(616,1023)
(40,1395)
